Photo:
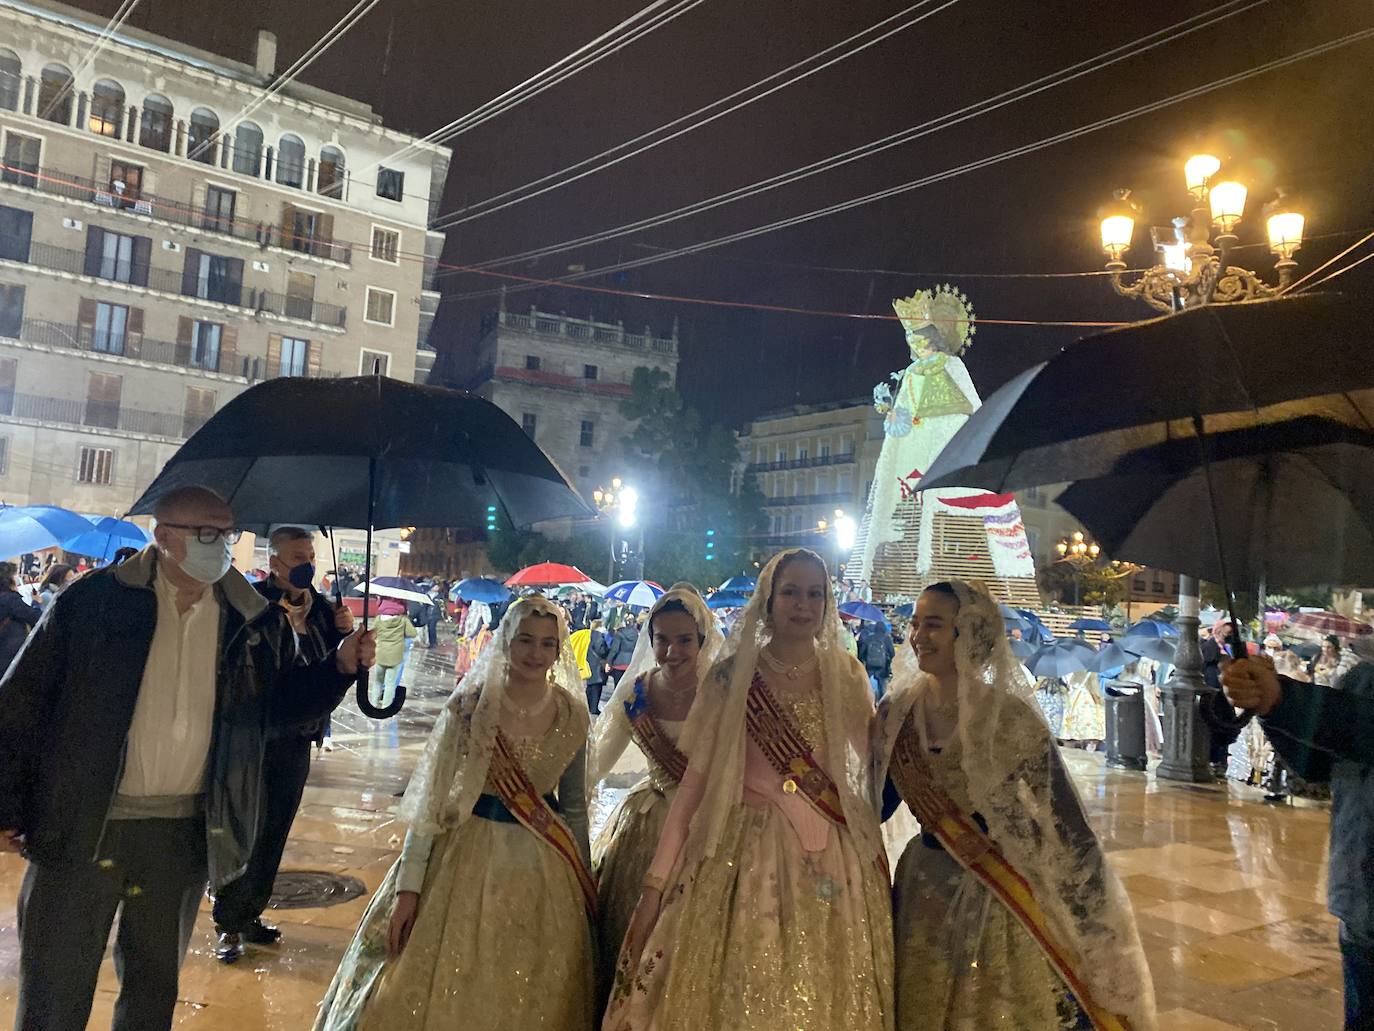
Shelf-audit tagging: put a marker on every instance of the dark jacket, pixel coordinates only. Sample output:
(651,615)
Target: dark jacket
(1339,723)
(16,616)
(67,702)
(320,639)
(876,650)
(623,645)
(598,653)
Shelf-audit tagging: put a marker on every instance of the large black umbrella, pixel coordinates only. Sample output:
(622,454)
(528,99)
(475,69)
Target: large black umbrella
(367,453)
(1296,500)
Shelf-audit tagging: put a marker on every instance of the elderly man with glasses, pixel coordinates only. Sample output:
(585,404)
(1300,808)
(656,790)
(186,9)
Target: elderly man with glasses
(132,729)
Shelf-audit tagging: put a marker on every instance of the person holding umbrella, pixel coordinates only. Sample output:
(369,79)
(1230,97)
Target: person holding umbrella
(319,628)
(132,727)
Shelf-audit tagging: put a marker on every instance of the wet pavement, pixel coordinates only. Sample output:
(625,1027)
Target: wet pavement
(1228,891)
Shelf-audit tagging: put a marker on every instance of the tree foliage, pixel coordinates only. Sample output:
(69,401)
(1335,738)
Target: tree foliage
(1095,586)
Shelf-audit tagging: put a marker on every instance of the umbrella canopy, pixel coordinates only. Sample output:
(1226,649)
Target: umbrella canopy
(1060,659)
(35,527)
(640,593)
(1023,650)
(398,587)
(1112,657)
(479,588)
(727,600)
(863,610)
(906,610)
(1157,648)
(106,537)
(1152,628)
(367,451)
(1294,501)
(1320,624)
(1210,615)
(547,574)
(1088,623)
(743,584)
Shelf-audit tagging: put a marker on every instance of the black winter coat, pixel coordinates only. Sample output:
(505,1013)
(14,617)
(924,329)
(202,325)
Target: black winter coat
(16,616)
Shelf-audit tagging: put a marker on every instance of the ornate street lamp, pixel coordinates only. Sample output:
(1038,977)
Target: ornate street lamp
(1192,269)
(621,501)
(1078,550)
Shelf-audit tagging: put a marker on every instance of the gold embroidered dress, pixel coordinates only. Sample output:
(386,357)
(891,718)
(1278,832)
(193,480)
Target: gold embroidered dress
(501,940)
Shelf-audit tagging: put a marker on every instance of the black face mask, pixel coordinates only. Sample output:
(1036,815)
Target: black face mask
(301,576)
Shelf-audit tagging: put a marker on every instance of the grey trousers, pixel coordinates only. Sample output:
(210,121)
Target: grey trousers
(152,873)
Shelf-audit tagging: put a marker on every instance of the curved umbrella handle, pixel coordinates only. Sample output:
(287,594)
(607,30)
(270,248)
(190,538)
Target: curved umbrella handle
(365,705)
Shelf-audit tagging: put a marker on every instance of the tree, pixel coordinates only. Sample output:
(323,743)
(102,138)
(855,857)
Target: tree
(1091,583)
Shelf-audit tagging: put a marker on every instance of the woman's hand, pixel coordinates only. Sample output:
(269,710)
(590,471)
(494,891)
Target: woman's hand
(645,916)
(402,922)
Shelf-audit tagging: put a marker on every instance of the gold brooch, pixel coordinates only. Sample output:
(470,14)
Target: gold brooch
(789,786)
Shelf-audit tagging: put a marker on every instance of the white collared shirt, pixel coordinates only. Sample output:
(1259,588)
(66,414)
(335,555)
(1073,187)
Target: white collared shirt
(169,738)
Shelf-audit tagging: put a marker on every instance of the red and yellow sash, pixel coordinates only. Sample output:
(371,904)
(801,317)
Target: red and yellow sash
(788,752)
(508,777)
(963,839)
(654,743)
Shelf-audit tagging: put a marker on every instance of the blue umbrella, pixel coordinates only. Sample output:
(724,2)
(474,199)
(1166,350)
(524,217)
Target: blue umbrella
(1022,649)
(1152,628)
(1112,657)
(742,584)
(866,611)
(479,588)
(906,609)
(726,600)
(1060,659)
(35,527)
(1088,623)
(1157,648)
(105,536)
(1038,628)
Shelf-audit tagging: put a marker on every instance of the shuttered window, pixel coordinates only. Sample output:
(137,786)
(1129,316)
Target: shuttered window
(95,465)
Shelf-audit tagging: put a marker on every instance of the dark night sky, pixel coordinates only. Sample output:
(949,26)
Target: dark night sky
(421,63)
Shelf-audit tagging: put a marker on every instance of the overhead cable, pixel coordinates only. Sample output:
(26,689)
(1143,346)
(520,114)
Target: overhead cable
(115,23)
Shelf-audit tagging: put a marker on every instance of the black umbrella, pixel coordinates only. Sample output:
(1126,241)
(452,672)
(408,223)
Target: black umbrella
(1296,500)
(367,453)
(1060,659)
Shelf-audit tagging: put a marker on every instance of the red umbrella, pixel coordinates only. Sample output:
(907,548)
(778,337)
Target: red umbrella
(547,574)
(1324,623)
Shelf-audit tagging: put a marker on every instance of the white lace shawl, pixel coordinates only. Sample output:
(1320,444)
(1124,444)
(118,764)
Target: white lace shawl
(714,738)
(1018,783)
(453,769)
(611,734)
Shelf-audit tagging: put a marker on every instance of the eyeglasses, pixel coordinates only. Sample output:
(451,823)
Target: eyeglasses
(208,534)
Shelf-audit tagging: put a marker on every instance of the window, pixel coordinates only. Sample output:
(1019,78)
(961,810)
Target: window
(590,372)
(102,400)
(11,310)
(200,405)
(219,209)
(302,229)
(16,228)
(55,94)
(796,521)
(381,306)
(248,149)
(390,184)
(373,363)
(205,345)
(386,245)
(782,453)
(107,108)
(529,423)
(126,182)
(844,483)
(801,452)
(201,136)
(117,256)
(9,372)
(11,79)
(155,123)
(823,449)
(329,178)
(588,434)
(532,362)
(212,277)
(96,465)
(294,352)
(300,295)
(291,161)
(21,159)
(111,325)
(4,456)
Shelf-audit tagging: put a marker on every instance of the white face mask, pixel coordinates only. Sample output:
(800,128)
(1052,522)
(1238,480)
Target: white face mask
(206,562)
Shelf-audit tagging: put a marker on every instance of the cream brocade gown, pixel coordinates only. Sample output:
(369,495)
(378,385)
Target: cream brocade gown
(964,963)
(501,940)
(623,852)
(764,935)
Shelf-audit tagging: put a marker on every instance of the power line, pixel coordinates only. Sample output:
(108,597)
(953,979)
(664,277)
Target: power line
(1331,261)
(630,148)
(966,113)
(958,170)
(116,22)
(1339,272)
(631,30)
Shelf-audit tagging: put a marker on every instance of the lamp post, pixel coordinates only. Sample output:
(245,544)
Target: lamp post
(1078,551)
(1192,269)
(620,501)
(845,531)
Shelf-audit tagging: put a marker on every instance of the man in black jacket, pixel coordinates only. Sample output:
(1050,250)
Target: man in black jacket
(876,652)
(132,728)
(319,628)
(598,653)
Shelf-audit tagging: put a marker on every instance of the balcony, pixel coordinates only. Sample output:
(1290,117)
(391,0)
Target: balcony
(802,463)
(561,326)
(118,197)
(127,345)
(172,281)
(97,414)
(809,499)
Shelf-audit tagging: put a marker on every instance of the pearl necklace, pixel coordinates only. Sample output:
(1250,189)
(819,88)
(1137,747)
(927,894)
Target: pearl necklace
(525,712)
(794,672)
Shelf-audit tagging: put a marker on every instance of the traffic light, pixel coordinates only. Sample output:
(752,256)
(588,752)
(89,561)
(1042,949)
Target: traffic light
(710,545)
(491,519)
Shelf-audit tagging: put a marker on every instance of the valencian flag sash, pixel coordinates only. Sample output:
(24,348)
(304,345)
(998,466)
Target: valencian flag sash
(525,804)
(650,737)
(963,839)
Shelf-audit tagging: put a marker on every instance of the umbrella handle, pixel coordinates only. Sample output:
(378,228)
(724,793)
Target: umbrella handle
(371,711)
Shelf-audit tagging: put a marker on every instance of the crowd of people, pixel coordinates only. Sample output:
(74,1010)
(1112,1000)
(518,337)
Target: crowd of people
(155,737)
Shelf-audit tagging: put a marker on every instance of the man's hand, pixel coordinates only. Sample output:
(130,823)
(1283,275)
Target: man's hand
(1252,684)
(357,650)
(11,841)
(343,618)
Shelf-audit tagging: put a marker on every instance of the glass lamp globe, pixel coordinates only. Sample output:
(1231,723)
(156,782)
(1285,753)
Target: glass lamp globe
(1285,232)
(1228,204)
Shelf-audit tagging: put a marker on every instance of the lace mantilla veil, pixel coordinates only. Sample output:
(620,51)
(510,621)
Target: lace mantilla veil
(714,739)
(453,769)
(611,733)
(1034,815)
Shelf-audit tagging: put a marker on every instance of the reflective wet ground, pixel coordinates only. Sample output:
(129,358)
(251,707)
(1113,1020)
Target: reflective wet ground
(1228,891)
